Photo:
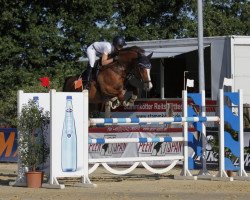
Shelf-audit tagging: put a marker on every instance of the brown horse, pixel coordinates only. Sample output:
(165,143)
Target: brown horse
(116,78)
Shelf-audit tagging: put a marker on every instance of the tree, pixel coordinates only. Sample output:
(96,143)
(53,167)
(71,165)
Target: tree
(221,18)
(227,18)
(148,19)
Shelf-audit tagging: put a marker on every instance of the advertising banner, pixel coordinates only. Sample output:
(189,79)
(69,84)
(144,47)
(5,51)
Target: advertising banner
(67,134)
(136,149)
(60,147)
(43,102)
(160,108)
(8,145)
(212,157)
(42,98)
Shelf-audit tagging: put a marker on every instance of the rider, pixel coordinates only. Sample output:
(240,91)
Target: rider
(102,50)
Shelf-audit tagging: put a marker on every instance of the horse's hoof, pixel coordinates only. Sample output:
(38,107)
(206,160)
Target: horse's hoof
(127,103)
(131,102)
(115,104)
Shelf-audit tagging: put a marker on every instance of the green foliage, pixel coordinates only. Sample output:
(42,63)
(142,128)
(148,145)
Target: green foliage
(227,18)
(32,124)
(47,38)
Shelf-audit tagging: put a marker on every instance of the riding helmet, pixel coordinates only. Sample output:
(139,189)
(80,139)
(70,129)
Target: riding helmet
(119,41)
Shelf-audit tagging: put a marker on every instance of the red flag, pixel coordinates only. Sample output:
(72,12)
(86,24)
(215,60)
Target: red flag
(45,81)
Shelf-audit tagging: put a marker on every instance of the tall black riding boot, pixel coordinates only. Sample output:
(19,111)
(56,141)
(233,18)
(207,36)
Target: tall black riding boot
(87,77)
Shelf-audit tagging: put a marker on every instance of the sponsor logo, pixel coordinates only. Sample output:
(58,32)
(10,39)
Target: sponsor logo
(8,145)
(160,148)
(108,149)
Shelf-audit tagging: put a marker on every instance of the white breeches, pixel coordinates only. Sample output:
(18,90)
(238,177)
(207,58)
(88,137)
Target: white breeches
(91,53)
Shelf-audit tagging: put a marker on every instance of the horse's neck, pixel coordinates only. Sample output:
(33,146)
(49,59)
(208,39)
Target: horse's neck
(127,56)
(121,69)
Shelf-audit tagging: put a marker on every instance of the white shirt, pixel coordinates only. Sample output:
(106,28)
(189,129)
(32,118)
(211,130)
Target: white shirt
(103,48)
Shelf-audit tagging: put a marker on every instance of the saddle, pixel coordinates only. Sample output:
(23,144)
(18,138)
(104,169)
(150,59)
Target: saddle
(94,71)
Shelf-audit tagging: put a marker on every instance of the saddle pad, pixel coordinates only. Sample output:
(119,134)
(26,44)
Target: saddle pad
(78,83)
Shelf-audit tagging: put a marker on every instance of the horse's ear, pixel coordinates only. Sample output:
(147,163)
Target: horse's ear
(150,55)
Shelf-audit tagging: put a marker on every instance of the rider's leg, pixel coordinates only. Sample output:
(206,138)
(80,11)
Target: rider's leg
(92,57)
(88,76)
(97,66)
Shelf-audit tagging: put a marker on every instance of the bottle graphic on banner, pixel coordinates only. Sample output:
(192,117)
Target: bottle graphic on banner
(36,100)
(69,139)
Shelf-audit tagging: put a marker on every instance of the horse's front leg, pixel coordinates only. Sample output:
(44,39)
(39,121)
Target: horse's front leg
(107,109)
(131,100)
(114,102)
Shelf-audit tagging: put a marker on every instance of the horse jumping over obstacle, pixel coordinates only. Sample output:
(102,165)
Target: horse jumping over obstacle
(114,80)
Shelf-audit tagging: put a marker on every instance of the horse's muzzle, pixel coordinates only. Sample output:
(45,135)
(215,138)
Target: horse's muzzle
(148,85)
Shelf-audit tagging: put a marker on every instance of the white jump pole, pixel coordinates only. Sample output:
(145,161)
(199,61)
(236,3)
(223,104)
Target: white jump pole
(241,172)
(222,172)
(145,120)
(203,172)
(85,178)
(185,171)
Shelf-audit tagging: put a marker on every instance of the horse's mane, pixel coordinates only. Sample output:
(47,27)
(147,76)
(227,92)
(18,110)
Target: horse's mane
(133,48)
(124,51)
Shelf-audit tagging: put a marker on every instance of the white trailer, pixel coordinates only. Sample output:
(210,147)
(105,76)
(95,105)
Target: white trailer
(224,56)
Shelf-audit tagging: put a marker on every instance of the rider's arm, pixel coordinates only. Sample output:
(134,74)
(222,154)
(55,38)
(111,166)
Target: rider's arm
(105,60)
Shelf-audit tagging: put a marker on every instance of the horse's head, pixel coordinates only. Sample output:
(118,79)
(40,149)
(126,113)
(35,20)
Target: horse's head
(139,64)
(143,67)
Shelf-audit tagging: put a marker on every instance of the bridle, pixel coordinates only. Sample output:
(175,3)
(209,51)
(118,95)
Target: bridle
(140,63)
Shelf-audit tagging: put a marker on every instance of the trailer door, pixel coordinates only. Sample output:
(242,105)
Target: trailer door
(242,69)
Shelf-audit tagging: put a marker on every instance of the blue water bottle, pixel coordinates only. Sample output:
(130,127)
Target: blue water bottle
(69,139)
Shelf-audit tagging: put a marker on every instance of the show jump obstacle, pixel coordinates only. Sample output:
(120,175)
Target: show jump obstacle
(78,150)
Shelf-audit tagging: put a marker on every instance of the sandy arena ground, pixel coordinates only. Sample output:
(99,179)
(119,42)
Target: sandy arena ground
(138,185)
